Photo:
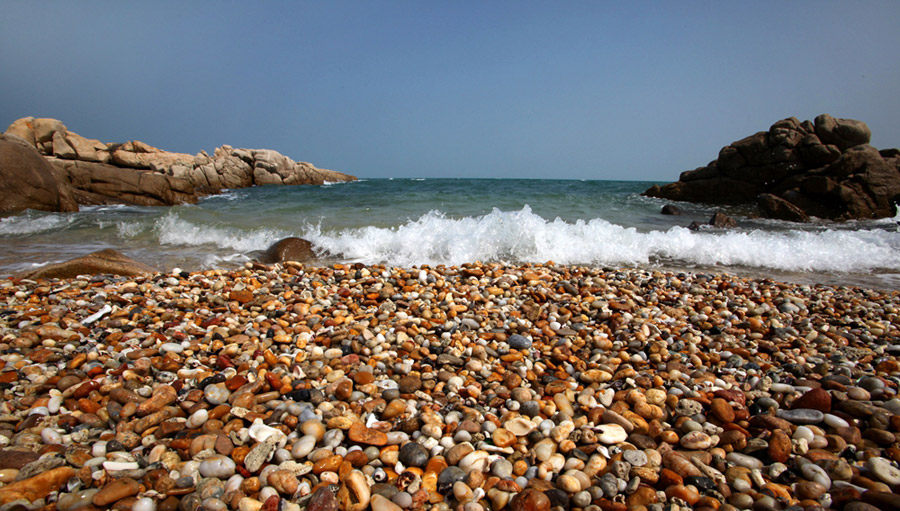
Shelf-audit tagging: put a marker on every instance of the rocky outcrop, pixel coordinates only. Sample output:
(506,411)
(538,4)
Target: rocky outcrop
(798,170)
(137,173)
(107,261)
(27,181)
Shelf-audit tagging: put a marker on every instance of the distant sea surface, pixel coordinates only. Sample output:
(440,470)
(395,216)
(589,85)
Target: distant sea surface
(414,222)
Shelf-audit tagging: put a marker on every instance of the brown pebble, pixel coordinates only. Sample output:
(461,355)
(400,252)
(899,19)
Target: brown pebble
(530,500)
(815,399)
(116,490)
(360,434)
(779,446)
(722,410)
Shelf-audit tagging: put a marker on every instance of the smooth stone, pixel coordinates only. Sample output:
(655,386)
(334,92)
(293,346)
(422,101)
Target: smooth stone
(216,393)
(380,503)
(402,499)
(115,491)
(801,415)
(743,460)
(883,470)
(221,467)
(450,475)
(144,504)
(413,454)
(171,347)
(519,342)
(610,434)
(197,419)
(76,500)
(530,500)
(502,468)
(303,446)
(815,473)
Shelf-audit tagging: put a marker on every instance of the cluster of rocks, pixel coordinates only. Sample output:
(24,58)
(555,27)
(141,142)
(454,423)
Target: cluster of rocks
(86,171)
(797,170)
(473,388)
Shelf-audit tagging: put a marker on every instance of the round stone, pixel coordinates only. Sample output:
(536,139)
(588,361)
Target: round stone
(412,454)
(218,466)
(519,342)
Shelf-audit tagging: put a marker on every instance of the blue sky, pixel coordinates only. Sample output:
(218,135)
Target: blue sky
(581,90)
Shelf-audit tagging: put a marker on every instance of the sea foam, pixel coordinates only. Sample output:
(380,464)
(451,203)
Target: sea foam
(173,230)
(522,236)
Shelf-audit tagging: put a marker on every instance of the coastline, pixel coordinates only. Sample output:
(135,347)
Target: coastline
(479,385)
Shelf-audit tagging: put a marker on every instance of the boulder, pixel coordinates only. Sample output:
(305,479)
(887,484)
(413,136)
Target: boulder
(844,133)
(797,170)
(107,261)
(27,180)
(289,249)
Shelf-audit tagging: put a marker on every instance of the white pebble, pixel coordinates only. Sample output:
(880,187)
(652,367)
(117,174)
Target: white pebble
(144,504)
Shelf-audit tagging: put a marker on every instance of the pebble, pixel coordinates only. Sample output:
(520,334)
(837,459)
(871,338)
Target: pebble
(884,470)
(474,388)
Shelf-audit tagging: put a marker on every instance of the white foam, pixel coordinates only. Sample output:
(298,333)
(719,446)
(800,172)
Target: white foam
(521,236)
(33,223)
(173,230)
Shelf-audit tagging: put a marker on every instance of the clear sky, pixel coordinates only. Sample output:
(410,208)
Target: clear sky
(582,90)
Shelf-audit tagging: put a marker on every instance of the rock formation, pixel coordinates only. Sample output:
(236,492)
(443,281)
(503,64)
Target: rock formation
(797,170)
(137,173)
(27,181)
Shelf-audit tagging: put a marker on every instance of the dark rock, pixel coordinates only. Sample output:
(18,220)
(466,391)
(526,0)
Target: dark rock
(798,170)
(448,476)
(289,249)
(413,454)
(107,261)
(27,181)
(518,342)
(669,209)
(772,206)
(719,220)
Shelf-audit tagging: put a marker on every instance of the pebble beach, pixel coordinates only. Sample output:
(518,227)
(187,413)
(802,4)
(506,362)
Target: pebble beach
(477,387)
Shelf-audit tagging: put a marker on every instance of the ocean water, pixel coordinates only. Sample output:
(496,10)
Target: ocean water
(413,222)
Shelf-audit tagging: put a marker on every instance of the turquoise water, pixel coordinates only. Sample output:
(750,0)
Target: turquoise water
(409,222)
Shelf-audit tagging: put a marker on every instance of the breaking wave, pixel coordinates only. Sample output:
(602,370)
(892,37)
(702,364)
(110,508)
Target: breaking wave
(522,236)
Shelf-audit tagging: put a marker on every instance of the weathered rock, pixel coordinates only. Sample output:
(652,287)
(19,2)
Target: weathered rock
(27,181)
(798,170)
(773,206)
(96,183)
(844,133)
(107,261)
(137,173)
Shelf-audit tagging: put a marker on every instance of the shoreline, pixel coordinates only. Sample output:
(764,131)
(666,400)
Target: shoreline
(479,387)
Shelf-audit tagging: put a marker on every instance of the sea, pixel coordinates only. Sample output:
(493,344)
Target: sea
(416,222)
